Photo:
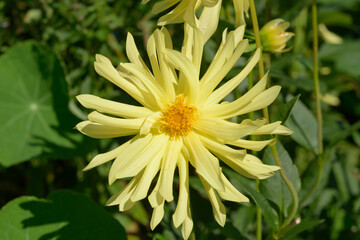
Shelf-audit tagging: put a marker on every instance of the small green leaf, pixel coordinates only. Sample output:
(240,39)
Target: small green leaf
(268,212)
(304,125)
(304,225)
(66,215)
(285,110)
(34,107)
(274,188)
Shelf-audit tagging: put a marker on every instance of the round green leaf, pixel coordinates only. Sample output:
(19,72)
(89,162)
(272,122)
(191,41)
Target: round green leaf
(34,115)
(65,216)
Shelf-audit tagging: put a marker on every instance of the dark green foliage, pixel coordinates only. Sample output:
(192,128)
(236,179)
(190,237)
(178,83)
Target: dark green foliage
(47,52)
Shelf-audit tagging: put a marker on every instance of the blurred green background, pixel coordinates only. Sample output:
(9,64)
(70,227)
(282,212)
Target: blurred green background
(47,52)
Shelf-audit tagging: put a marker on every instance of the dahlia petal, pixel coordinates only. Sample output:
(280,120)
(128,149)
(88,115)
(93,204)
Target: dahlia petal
(217,95)
(151,50)
(204,162)
(155,198)
(222,149)
(187,227)
(261,101)
(209,3)
(249,144)
(134,158)
(268,128)
(157,215)
(222,55)
(123,198)
(225,110)
(240,7)
(149,122)
(168,166)
(231,193)
(251,167)
(228,65)
(105,69)
(209,20)
(179,61)
(218,208)
(225,130)
(133,53)
(97,117)
(144,183)
(105,157)
(97,130)
(138,75)
(282,130)
(111,107)
(167,75)
(163,5)
(183,201)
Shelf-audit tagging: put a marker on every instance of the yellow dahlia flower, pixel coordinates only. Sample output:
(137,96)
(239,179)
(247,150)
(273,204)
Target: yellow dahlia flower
(182,123)
(273,35)
(185,10)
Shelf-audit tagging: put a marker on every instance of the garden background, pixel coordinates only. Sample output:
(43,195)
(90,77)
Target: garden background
(47,52)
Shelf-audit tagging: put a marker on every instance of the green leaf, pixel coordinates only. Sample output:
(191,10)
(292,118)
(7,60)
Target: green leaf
(65,215)
(268,212)
(304,125)
(346,56)
(34,107)
(285,110)
(274,188)
(304,225)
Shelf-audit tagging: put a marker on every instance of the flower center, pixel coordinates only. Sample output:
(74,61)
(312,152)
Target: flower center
(178,118)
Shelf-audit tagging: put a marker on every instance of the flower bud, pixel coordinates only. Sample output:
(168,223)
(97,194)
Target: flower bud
(273,35)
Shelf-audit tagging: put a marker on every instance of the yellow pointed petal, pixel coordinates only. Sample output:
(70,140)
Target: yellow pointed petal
(105,69)
(149,122)
(225,130)
(204,162)
(157,215)
(187,227)
(209,20)
(97,130)
(252,145)
(166,177)
(133,159)
(144,183)
(179,61)
(229,86)
(167,74)
(97,117)
(163,5)
(133,53)
(183,200)
(105,157)
(252,167)
(221,149)
(111,107)
(261,101)
(231,193)
(140,78)
(218,208)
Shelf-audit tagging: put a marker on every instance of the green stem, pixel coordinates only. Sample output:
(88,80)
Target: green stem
(253,138)
(258,45)
(266,115)
(258,216)
(320,157)
(255,23)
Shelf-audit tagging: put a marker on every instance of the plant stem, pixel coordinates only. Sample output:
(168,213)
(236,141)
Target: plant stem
(253,138)
(258,216)
(266,115)
(320,157)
